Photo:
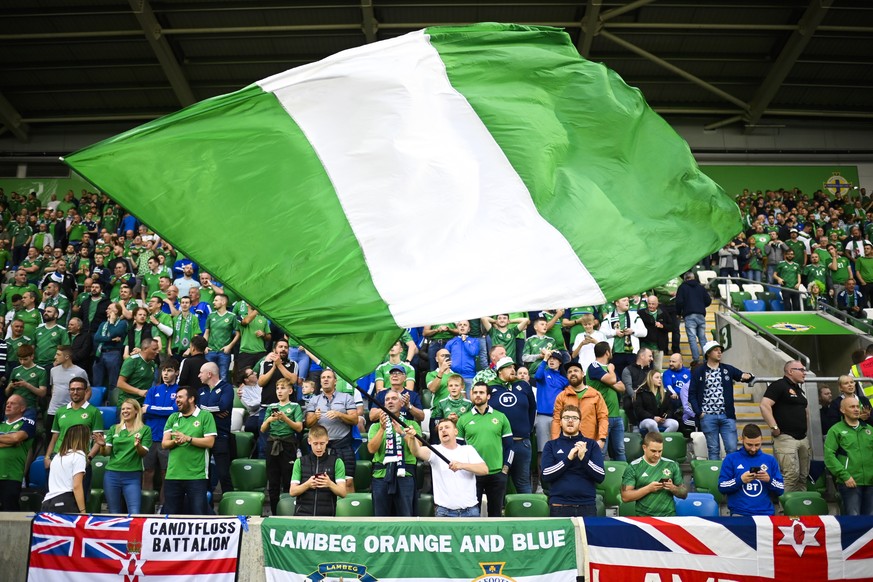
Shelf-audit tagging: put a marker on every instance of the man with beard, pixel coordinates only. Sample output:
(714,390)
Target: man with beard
(393,462)
(517,402)
(593,412)
(77,411)
(489,432)
(677,380)
(49,336)
(93,308)
(60,375)
(338,413)
(188,434)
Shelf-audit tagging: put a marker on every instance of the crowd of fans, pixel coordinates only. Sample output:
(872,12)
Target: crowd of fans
(94,299)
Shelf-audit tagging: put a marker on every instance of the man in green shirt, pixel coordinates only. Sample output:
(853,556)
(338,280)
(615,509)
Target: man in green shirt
(28,380)
(653,481)
(77,411)
(383,370)
(489,432)
(788,275)
(503,332)
(839,267)
(254,333)
(19,286)
(815,271)
(28,313)
(864,272)
(185,327)
(52,297)
(137,373)
(188,434)
(393,463)
(49,336)
(222,334)
(162,325)
(537,346)
(16,437)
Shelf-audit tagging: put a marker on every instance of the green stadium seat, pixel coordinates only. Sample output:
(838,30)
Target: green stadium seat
(610,488)
(425,506)
(98,470)
(633,446)
(248,474)
(94,504)
(801,505)
(628,509)
(354,507)
(148,501)
(705,475)
(363,475)
(675,446)
(286,506)
(30,500)
(526,505)
(241,503)
(601,506)
(738,297)
(245,443)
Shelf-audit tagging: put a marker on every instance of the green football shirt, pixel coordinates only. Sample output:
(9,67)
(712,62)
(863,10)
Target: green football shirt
(278,428)
(221,328)
(47,341)
(485,433)
(138,373)
(67,416)
(188,462)
(639,473)
(379,456)
(12,459)
(123,456)
(35,376)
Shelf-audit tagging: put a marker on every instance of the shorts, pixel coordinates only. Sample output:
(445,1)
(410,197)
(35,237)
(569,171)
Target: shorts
(156,455)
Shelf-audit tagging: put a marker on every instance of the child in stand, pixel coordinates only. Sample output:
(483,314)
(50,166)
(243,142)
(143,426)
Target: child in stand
(453,406)
(283,420)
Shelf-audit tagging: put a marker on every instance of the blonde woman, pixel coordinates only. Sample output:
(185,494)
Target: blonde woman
(66,493)
(126,443)
(652,405)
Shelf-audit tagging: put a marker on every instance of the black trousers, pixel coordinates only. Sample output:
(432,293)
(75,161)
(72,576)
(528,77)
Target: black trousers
(494,486)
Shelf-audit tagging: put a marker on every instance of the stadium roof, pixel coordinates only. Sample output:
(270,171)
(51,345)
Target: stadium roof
(737,62)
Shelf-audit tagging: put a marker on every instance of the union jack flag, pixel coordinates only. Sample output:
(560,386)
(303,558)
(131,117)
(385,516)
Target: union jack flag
(742,549)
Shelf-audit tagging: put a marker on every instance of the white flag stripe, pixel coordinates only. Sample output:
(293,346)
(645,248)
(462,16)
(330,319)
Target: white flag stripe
(277,575)
(415,168)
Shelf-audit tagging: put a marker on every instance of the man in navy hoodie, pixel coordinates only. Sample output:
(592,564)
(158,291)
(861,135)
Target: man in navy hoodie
(516,400)
(749,477)
(691,303)
(573,464)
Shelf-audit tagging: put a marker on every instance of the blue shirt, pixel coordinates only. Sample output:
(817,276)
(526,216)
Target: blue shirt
(159,404)
(518,404)
(752,498)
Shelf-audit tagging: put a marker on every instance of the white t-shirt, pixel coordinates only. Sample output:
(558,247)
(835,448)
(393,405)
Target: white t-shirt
(586,353)
(60,380)
(454,489)
(62,470)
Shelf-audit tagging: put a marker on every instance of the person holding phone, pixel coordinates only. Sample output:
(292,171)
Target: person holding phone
(750,478)
(653,481)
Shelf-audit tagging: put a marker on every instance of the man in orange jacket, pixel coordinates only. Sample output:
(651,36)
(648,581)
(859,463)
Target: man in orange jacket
(595,417)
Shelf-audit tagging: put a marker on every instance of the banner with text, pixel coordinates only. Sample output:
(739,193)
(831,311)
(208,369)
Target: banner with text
(737,549)
(98,548)
(493,551)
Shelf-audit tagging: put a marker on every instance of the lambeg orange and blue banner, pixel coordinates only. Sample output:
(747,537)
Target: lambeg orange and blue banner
(102,548)
(740,549)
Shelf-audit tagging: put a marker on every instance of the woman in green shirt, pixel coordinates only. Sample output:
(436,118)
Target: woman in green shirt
(126,443)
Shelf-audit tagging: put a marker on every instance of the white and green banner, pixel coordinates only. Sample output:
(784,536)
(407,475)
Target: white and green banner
(542,550)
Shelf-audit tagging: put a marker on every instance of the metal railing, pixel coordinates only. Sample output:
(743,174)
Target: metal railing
(859,324)
(732,280)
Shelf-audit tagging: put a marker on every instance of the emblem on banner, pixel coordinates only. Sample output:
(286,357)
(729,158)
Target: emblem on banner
(493,572)
(836,184)
(341,571)
(795,327)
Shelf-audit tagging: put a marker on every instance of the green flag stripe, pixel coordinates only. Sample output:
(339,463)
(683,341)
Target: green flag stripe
(270,253)
(600,165)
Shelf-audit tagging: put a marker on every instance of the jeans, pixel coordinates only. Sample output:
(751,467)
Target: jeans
(184,496)
(222,360)
(793,456)
(222,454)
(106,369)
(573,510)
(754,275)
(279,468)
(857,500)
(398,504)
(713,425)
(668,425)
(519,470)
(482,356)
(494,487)
(463,512)
(302,359)
(695,328)
(615,436)
(126,484)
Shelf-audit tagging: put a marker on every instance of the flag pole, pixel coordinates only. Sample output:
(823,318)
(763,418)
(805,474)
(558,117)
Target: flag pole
(398,420)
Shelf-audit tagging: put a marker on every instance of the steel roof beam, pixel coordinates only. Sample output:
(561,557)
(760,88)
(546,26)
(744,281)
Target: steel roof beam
(163,51)
(806,28)
(610,14)
(591,25)
(370,25)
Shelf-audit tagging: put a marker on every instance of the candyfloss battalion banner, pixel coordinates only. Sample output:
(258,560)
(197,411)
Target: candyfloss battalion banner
(82,548)
(491,551)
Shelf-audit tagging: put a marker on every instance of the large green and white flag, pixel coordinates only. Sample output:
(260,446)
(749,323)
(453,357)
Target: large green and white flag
(505,550)
(448,173)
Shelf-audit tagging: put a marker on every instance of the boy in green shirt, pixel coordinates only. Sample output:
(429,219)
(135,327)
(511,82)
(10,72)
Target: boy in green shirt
(653,481)
(283,420)
(454,405)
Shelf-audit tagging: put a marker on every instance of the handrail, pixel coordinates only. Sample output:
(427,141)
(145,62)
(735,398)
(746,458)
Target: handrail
(812,380)
(780,344)
(848,319)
